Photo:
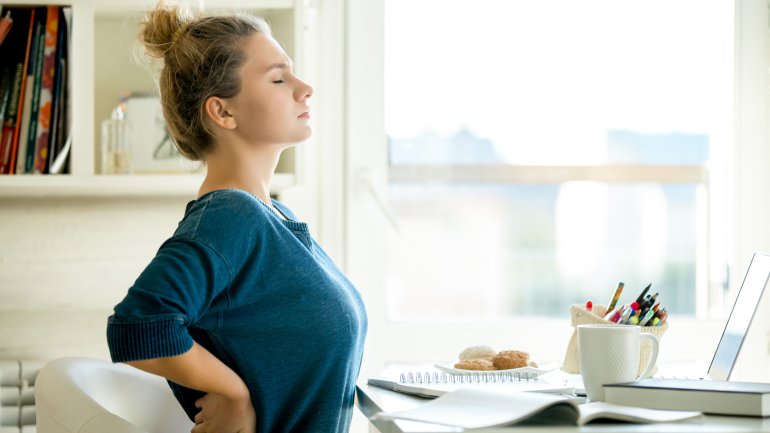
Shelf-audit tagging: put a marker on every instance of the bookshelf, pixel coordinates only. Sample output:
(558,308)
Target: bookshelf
(102,65)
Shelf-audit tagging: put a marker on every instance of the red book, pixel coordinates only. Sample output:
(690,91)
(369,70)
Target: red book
(15,49)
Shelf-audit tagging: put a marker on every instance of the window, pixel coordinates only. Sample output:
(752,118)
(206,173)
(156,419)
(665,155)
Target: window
(540,152)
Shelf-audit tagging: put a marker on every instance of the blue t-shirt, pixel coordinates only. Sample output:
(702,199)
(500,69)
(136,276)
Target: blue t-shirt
(260,294)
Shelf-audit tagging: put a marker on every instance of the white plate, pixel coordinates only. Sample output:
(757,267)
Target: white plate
(532,371)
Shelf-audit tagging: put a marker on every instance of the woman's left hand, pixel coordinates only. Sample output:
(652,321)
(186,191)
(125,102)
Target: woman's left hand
(220,414)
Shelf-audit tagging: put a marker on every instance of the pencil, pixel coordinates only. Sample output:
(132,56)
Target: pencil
(615,297)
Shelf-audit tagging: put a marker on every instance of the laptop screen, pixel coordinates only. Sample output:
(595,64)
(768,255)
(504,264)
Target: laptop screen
(740,318)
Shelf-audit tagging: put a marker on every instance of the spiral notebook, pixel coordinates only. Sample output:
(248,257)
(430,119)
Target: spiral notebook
(433,384)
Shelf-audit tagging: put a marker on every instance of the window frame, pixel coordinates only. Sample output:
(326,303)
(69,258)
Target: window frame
(743,179)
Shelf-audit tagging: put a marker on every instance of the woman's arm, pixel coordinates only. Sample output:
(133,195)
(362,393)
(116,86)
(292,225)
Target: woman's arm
(227,406)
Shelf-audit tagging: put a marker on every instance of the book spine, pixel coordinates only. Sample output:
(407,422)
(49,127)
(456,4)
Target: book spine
(5,26)
(48,72)
(6,86)
(37,83)
(16,52)
(54,141)
(9,123)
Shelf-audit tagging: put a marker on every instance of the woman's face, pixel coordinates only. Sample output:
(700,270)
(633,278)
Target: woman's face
(271,107)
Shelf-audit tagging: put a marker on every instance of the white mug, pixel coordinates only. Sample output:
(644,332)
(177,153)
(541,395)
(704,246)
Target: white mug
(610,354)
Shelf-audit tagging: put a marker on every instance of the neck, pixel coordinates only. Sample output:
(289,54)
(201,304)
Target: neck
(249,171)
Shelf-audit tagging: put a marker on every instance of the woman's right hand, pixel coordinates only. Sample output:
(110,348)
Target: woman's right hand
(220,414)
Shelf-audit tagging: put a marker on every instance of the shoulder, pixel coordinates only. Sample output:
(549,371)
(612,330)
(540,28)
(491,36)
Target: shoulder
(223,213)
(284,209)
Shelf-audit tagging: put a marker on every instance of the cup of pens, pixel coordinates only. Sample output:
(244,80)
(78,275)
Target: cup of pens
(645,311)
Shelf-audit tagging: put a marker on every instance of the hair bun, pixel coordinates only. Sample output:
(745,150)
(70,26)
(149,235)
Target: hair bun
(162,27)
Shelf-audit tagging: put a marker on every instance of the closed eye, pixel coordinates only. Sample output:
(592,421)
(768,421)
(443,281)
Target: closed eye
(278,82)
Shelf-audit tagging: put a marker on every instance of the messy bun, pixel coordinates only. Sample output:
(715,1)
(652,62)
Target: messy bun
(162,27)
(201,57)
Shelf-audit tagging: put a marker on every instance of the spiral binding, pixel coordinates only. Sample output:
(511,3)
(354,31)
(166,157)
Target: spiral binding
(470,377)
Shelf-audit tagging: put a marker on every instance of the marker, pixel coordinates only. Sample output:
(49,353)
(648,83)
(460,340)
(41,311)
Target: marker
(634,320)
(615,297)
(589,305)
(647,318)
(613,316)
(655,322)
(626,314)
(640,298)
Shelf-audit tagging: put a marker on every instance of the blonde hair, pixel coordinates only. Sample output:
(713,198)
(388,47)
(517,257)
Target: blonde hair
(201,57)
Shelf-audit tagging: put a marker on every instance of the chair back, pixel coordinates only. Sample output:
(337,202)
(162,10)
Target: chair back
(86,395)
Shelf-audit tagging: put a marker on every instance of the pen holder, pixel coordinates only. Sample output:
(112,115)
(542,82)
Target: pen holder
(581,316)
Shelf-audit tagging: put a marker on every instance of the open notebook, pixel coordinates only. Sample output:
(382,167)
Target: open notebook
(472,408)
(437,383)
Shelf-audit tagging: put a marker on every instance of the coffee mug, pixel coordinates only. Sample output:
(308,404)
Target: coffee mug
(610,354)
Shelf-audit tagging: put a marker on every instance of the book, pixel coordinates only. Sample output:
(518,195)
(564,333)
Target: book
(708,396)
(61,135)
(35,76)
(56,142)
(5,25)
(437,384)
(47,81)
(474,408)
(27,93)
(14,53)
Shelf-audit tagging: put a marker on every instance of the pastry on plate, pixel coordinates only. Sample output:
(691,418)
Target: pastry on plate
(509,359)
(480,364)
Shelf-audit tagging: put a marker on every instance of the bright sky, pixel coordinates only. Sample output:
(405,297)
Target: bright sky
(545,79)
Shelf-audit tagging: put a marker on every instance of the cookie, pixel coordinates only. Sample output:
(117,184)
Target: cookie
(482,364)
(509,359)
(475,352)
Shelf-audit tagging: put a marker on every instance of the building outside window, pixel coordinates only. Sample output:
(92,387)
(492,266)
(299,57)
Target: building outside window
(541,152)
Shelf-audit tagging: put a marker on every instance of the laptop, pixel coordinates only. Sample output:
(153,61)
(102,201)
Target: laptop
(738,324)
(741,316)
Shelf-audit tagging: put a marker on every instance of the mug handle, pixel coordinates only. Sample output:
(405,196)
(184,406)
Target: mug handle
(653,357)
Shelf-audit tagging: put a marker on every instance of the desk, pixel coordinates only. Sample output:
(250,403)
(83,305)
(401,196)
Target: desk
(371,400)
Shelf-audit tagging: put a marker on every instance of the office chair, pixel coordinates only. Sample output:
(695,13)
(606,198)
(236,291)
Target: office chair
(85,395)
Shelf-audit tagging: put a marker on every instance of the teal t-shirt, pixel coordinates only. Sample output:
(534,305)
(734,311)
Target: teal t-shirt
(259,293)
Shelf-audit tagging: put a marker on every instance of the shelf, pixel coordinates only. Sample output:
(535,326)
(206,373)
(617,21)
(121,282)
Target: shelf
(25,186)
(112,7)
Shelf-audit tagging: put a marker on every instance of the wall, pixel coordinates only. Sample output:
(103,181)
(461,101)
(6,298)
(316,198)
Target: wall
(65,262)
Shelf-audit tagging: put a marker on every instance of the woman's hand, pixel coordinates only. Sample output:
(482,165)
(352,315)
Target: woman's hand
(220,414)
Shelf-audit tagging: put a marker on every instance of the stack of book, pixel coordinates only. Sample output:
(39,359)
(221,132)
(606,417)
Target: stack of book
(34,93)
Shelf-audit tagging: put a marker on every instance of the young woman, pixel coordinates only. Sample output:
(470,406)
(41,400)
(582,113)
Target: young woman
(246,316)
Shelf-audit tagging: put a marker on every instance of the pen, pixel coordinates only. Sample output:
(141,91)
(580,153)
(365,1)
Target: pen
(615,297)
(647,317)
(640,298)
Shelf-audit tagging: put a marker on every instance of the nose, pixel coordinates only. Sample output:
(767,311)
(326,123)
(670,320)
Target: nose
(303,91)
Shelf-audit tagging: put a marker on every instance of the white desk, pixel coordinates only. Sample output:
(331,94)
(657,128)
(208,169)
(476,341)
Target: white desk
(371,400)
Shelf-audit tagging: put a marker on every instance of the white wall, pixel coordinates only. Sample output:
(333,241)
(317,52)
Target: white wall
(65,262)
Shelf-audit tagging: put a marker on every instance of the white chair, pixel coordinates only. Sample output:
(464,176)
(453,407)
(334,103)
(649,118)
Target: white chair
(85,395)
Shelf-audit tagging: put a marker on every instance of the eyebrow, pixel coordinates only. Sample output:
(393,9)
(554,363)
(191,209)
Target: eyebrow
(281,65)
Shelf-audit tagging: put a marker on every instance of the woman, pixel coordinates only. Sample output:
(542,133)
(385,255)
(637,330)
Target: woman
(246,316)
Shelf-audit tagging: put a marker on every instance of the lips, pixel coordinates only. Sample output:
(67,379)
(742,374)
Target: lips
(305,115)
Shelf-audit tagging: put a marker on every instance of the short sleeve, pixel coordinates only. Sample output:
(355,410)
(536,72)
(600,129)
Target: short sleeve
(185,280)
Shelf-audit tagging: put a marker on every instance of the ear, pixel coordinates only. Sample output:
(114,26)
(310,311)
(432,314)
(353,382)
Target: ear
(217,110)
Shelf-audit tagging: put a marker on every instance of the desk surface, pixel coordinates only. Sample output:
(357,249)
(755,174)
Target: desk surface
(371,400)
